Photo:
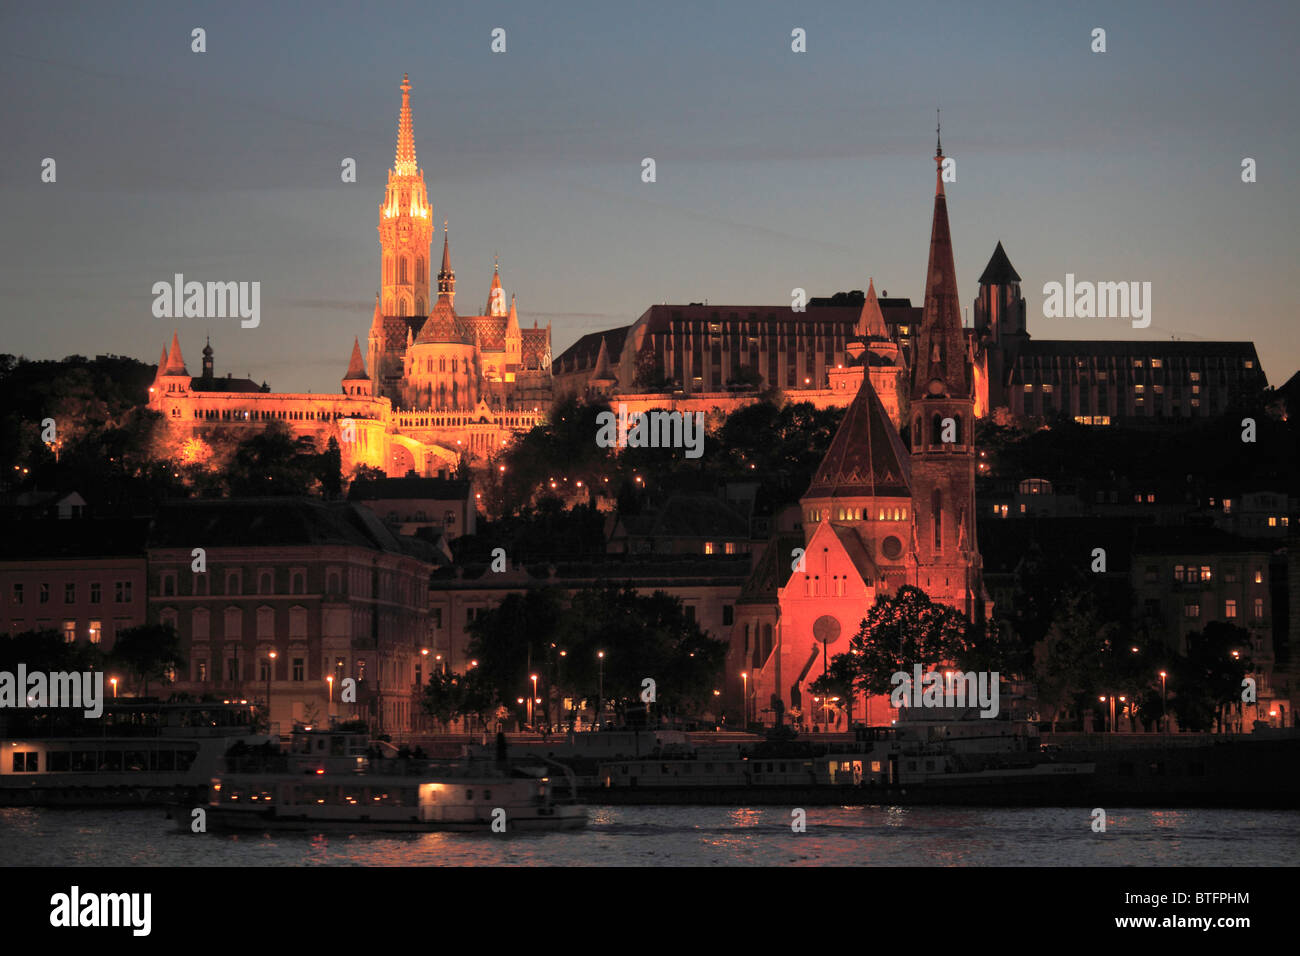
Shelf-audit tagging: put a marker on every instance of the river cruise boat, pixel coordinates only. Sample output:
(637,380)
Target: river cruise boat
(335,779)
(926,752)
(137,753)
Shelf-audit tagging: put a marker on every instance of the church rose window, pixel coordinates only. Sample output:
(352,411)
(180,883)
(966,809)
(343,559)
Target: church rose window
(892,547)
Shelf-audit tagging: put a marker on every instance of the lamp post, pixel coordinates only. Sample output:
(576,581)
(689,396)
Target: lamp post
(744,676)
(270,672)
(113,681)
(531,701)
(1164,703)
(329,712)
(600,687)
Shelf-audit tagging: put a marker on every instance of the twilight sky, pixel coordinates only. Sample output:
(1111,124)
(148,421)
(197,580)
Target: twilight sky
(775,169)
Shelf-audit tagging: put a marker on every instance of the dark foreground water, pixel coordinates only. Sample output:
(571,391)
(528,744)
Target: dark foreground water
(693,836)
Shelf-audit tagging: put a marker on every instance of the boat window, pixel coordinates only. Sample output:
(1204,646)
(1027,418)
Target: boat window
(57,760)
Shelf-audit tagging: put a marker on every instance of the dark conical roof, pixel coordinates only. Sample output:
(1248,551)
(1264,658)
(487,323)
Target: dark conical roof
(999,271)
(866,457)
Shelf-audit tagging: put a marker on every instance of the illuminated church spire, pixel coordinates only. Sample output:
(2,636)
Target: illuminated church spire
(405,164)
(496,304)
(405,225)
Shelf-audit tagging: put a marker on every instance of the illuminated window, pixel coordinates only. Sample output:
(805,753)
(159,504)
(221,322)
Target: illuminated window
(1137,363)
(69,631)
(1249,364)
(1029,388)
(1259,607)
(708,547)
(96,631)
(731,547)
(1156,363)
(1191,610)
(1259,577)
(1272,521)
(1229,608)
(1195,376)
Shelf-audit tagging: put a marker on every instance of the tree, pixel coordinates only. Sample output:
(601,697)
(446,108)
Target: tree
(899,631)
(1209,678)
(148,652)
(1072,659)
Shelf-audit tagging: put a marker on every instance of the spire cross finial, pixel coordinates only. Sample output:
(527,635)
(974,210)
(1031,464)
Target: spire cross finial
(938,141)
(406,84)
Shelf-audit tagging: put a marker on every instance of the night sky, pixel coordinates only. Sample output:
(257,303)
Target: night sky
(775,169)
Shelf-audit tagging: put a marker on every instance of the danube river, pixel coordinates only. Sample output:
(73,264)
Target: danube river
(693,836)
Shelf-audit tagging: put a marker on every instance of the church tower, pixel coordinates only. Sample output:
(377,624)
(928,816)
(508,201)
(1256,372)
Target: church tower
(405,226)
(1000,324)
(942,431)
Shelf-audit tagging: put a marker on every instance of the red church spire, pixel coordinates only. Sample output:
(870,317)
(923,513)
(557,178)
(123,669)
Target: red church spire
(939,364)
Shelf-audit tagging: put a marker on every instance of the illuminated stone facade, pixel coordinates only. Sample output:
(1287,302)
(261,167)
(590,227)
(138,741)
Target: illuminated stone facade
(440,385)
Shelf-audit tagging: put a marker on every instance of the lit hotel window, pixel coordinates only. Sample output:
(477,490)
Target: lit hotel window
(1191,610)
(1029,388)
(1229,608)
(1259,607)
(1272,521)
(1156,363)
(69,631)
(708,547)
(1259,577)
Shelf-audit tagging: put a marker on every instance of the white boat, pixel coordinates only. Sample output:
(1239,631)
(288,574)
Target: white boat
(337,780)
(139,752)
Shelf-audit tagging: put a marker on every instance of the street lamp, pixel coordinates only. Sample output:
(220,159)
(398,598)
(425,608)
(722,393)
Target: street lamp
(600,686)
(744,676)
(1164,702)
(533,677)
(113,681)
(270,670)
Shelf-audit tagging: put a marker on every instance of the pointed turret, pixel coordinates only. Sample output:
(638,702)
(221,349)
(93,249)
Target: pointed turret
(207,360)
(175,362)
(446,276)
(356,365)
(405,163)
(939,353)
(999,271)
(512,321)
(162,364)
(871,321)
(496,303)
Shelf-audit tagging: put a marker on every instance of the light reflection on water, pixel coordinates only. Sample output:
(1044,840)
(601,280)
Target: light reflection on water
(692,836)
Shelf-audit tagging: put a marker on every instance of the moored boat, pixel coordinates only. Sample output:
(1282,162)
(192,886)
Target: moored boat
(333,779)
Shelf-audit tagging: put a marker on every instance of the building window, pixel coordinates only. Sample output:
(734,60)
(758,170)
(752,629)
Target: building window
(70,631)
(728,614)
(1205,572)
(1152,573)
(299,669)
(708,547)
(95,632)
(730,547)
(1191,610)
(1259,577)
(232,669)
(121,592)
(266,583)
(199,583)
(201,672)
(1230,608)
(1156,363)
(361,670)
(1258,608)
(45,594)
(234,582)
(690,613)
(264,670)
(69,594)
(435,616)
(17,594)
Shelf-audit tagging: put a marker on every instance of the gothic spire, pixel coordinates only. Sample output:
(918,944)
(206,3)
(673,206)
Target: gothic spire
(446,277)
(496,305)
(175,362)
(938,357)
(405,164)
